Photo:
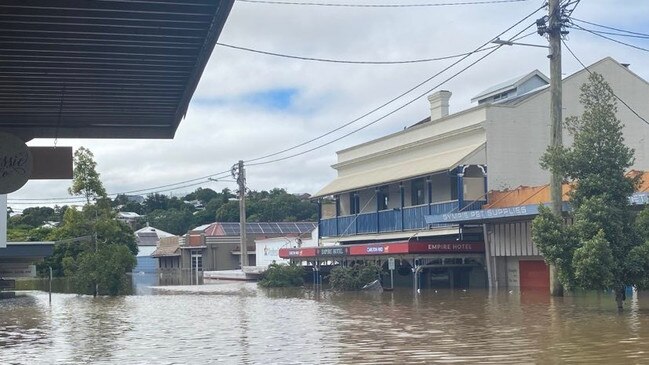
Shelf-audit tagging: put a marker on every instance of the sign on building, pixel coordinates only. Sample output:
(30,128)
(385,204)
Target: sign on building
(15,163)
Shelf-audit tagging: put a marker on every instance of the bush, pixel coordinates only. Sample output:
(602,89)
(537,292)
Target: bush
(282,276)
(353,277)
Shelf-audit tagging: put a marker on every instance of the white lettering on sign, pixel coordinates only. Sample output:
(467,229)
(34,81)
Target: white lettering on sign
(15,163)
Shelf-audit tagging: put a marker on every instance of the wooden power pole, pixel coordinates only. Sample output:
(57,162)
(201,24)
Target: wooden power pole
(243,245)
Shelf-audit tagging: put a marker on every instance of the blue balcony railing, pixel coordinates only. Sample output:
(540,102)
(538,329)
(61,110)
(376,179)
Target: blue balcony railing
(393,220)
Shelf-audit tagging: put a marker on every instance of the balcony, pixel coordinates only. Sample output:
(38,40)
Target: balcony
(391,220)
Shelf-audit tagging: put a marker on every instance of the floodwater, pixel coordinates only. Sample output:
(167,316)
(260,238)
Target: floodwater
(237,323)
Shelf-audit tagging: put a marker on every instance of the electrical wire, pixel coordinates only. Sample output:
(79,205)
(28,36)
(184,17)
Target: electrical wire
(609,27)
(578,27)
(331,60)
(153,190)
(349,5)
(590,72)
(385,104)
(382,117)
(376,108)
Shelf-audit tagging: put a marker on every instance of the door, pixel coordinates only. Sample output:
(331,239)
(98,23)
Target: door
(534,274)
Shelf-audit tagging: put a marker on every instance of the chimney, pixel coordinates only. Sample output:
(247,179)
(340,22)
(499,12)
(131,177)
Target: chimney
(439,104)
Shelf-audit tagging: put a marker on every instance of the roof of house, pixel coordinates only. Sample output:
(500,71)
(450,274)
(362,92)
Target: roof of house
(260,228)
(149,236)
(166,251)
(103,69)
(509,85)
(128,215)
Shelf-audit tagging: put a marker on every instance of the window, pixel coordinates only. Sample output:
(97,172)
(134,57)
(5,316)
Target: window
(418,192)
(354,203)
(197,260)
(383,197)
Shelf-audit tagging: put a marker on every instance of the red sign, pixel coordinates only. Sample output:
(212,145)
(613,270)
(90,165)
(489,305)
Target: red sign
(385,248)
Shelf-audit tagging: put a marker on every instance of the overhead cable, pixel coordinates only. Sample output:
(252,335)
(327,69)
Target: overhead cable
(386,103)
(331,60)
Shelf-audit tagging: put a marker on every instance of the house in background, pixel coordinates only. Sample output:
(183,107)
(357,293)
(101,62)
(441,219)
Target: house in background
(167,253)
(130,218)
(215,247)
(447,163)
(147,240)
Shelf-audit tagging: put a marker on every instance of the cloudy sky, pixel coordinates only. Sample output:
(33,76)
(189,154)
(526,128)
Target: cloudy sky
(249,105)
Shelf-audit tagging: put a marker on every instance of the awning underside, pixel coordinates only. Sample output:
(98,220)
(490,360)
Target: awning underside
(103,69)
(407,170)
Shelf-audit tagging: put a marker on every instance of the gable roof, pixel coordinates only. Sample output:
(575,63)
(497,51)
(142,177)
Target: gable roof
(260,228)
(510,84)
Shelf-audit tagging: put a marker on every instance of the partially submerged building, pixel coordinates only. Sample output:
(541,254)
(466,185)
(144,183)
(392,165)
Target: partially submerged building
(447,164)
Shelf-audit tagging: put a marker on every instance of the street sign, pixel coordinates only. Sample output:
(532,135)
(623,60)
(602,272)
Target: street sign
(391,263)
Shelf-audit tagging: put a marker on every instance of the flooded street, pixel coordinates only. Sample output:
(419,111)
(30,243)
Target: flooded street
(237,323)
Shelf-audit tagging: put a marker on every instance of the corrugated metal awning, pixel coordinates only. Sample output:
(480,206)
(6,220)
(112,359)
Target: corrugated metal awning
(411,169)
(103,69)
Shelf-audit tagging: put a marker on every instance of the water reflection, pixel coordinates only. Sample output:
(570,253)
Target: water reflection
(238,323)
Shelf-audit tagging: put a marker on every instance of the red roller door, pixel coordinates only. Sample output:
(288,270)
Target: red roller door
(534,275)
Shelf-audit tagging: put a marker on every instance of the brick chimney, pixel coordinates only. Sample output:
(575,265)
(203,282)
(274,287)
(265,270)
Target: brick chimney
(439,104)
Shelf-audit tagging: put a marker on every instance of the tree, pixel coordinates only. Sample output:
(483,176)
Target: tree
(172,220)
(602,248)
(85,178)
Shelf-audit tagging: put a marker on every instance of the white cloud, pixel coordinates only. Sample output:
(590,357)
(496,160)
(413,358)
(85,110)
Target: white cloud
(220,129)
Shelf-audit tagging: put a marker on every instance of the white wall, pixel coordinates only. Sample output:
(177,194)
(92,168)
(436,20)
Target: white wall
(267,250)
(518,136)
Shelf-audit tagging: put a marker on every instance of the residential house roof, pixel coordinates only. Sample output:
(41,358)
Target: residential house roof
(260,228)
(511,84)
(149,236)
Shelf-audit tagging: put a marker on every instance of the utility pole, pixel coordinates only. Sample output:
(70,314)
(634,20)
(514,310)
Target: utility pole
(241,180)
(554,32)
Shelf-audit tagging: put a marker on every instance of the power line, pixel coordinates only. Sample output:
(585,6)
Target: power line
(331,60)
(385,115)
(610,28)
(384,104)
(380,106)
(617,34)
(610,39)
(349,5)
(617,97)
(153,190)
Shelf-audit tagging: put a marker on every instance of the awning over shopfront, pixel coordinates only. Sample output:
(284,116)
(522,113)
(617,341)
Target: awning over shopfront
(511,213)
(103,69)
(401,171)
(385,248)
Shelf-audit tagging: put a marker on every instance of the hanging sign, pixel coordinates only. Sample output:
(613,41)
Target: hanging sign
(15,163)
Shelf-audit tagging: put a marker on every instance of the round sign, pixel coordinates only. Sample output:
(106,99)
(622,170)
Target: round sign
(15,163)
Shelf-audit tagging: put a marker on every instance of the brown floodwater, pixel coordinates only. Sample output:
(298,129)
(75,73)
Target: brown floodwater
(237,323)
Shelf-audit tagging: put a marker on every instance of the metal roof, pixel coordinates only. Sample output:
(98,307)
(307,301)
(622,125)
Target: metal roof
(260,228)
(103,68)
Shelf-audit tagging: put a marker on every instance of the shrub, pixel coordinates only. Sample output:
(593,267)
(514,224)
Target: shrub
(282,276)
(353,277)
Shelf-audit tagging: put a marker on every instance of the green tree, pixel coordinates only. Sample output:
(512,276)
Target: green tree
(601,249)
(85,178)
(172,220)
(105,269)
(353,277)
(281,276)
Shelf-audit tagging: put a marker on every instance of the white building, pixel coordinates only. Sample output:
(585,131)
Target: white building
(448,162)
(267,250)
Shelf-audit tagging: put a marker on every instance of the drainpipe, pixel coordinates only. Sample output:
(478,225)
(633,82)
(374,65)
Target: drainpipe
(484,176)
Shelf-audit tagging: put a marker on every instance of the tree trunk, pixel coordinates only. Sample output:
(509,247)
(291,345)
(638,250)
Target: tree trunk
(620,297)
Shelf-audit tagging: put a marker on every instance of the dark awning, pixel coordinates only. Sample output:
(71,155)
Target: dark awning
(103,68)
